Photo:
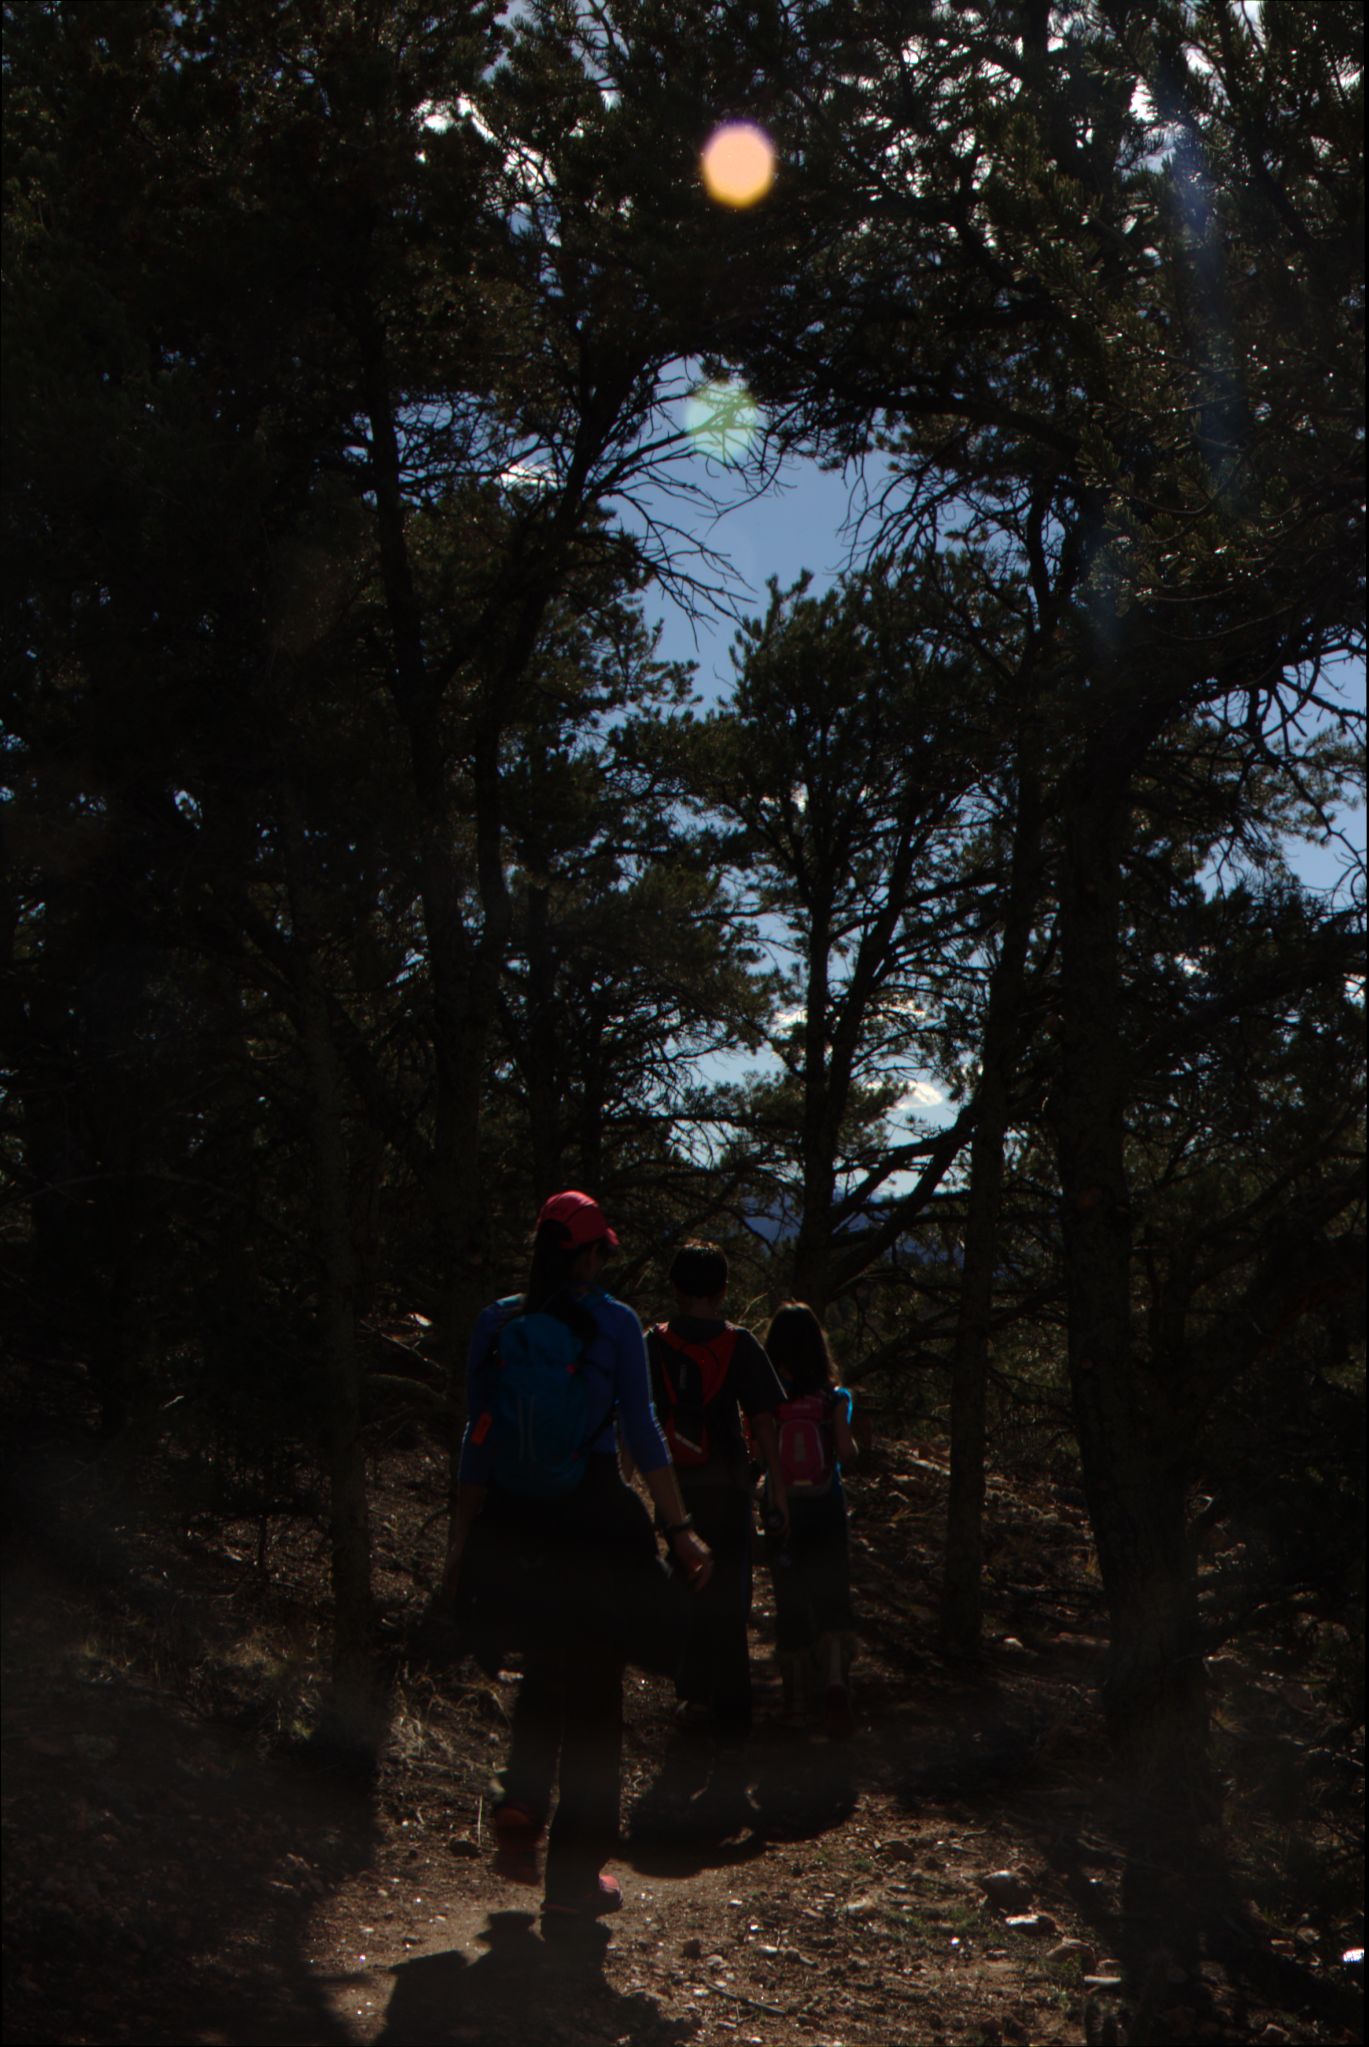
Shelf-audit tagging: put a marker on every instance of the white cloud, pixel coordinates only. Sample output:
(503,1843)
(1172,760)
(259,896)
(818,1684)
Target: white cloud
(897,1003)
(920,1095)
(526,476)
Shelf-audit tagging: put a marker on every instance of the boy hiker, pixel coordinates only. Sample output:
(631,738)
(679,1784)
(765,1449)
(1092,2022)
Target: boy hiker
(703,1369)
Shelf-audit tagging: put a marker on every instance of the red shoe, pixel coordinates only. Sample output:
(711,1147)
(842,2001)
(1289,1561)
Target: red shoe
(517,1839)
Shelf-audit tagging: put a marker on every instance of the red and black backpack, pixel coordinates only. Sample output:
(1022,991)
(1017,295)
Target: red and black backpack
(691,1376)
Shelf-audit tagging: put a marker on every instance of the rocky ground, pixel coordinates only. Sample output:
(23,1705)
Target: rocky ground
(175,1871)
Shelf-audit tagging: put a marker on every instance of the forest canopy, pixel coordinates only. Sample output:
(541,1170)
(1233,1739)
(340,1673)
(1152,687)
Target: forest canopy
(371,875)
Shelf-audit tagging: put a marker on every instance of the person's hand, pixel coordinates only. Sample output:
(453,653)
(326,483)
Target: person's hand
(694,1557)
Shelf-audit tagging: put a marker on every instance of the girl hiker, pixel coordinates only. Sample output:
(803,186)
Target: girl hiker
(561,1550)
(808,1565)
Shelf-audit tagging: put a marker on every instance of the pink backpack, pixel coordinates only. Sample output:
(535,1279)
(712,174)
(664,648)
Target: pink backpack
(807,1442)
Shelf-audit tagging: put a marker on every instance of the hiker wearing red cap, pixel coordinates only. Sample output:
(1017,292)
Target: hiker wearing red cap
(562,1550)
(580,1217)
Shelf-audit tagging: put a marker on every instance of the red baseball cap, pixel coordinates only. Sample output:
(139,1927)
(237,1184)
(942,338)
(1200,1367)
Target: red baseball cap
(581,1216)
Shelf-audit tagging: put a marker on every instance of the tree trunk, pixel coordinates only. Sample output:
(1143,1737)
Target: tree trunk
(544,1106)
(116,1120)
(354,1717)
(59,1163)
(1154,1693)
(813,1244)
(962,1581)
(353,1720)
(464,970)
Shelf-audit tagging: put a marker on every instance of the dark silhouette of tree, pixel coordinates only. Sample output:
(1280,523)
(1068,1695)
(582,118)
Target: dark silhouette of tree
(366,877)
(1107,258)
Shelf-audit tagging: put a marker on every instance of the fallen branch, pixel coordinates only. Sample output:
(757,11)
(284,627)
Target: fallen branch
(776,2011)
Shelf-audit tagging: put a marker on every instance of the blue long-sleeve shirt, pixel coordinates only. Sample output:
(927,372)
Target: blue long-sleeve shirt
(616,1379)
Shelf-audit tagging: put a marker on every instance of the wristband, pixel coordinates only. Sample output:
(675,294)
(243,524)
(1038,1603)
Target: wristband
(679,1527)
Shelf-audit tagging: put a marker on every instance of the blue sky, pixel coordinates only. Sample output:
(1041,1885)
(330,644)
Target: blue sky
(797,525)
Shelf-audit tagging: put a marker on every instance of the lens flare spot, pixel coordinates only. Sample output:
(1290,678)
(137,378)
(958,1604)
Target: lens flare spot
(723,420)
(738,164)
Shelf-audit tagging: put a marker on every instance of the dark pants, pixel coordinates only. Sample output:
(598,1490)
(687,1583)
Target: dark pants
(715,1662)
(811,1572)
(580,1591)
(568,1729)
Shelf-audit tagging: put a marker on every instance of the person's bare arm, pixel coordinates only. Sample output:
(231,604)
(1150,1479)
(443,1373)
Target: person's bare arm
(847,1448)
(688,1549)
(767,1440)
(627,1463)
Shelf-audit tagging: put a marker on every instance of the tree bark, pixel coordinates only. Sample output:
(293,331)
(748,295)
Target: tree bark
(352,1724)
(117,1123)
(813,1245)
(962,1580)
(544,1108)
(464,972)
(1134,1478)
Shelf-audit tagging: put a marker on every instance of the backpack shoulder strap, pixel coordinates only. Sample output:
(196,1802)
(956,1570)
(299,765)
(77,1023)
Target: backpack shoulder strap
(712,1358)
(668,1335)
(720,1347)
(507,1310)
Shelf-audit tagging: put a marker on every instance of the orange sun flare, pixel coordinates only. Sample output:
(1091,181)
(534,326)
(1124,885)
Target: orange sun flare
(738,164)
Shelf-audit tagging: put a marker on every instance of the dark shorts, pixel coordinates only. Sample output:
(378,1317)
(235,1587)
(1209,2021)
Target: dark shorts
(584,1568)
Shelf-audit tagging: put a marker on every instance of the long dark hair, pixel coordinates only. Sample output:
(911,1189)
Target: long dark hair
(797,1347)
(551,1280)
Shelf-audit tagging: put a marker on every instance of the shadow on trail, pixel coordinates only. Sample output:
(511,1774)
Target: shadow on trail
(162,1873)
(525,1992)
(987,1749)
(698,1814)
(803,1788)
(711,1809)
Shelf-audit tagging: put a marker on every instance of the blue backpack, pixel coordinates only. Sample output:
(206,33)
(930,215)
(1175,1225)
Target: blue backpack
(542,1425)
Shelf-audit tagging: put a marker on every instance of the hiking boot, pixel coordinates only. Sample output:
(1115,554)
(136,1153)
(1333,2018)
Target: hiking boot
(840,1725)
(517,1836)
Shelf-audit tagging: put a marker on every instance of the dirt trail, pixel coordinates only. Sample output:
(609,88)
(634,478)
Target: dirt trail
(175,1874)
(830,1913)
